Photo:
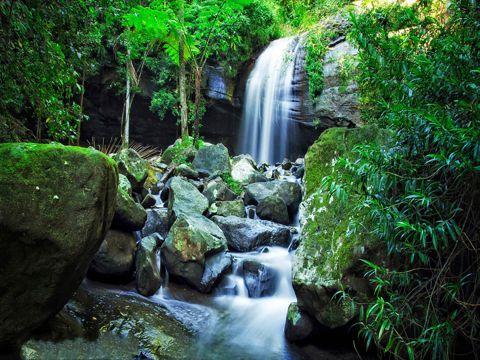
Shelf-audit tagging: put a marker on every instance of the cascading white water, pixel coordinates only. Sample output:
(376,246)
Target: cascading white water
(272,104)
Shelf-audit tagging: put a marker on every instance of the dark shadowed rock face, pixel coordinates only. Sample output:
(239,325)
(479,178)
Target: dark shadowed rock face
(247,234)
(113,262)
(56,205)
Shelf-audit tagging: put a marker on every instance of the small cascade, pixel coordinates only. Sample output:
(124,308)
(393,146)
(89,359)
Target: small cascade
(276,99)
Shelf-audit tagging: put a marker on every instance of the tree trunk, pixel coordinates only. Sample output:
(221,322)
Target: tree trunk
(182,77)
(126,128)
(198,95)
(79,127)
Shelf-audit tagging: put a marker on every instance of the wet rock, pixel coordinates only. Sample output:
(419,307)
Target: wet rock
(218,190)
(191,250)
(129,215)
(186,171)
(198,184)
(286,164)
(227,208)
(157,222)
(213,160)
(165,191)
(299,325)
(184,198)
(273,208)
(247,234)
(56,205)
(299,171)
(149,201)
(290,192)
(117,325)
(244,170)
(272,174)
(259,279)
(133,167)
(114,261)
(147,269)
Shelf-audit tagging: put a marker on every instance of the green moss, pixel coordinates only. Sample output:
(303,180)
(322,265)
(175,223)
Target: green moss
(293,314)
(330,248)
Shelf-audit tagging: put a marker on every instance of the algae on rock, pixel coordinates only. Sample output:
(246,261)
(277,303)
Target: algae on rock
(328,259)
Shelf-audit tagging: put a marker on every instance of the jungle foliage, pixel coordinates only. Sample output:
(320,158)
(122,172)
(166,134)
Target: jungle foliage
(419,75)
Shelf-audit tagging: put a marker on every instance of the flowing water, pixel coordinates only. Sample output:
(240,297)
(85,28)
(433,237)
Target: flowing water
(273,102)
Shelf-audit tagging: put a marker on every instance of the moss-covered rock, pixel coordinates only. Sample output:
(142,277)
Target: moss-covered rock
(212,160)
(228,208)
(133,167)
(328,258)
(129,215)
(184,198)
(192,241)
(56,205)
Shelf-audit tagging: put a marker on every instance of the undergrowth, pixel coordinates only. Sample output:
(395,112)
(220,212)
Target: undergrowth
(419,75)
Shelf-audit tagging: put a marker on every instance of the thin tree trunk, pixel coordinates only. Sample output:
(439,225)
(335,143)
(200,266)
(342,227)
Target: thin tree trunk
(126,128)
(182,78)
(79,127)
(198,89)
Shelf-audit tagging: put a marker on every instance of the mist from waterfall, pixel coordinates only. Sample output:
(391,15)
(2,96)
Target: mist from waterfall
(272,105)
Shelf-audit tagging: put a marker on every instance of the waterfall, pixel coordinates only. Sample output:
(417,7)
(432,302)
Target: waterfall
(274,102)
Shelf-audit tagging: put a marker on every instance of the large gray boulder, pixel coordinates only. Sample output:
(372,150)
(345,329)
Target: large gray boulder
(218,190)
(147,269)
(289,192)
(129,215)
(247,234)
(114,261)
(244,170)
(227,208)
(56,205)
(273,208)
(212,160)
(259,279)
(337,105)
(184,198)
(134,167)
(299,325)
(157,222)
(191,251)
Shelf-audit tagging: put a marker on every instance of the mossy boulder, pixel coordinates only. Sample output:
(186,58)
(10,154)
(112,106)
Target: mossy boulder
(273,208)
(189,247)
(218,190)
(228,208)
(329,256)
(133,166)
(129,215)
(184,198)
(179,152)
(289,192)
(244,170)
(56,205)
(212,160)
